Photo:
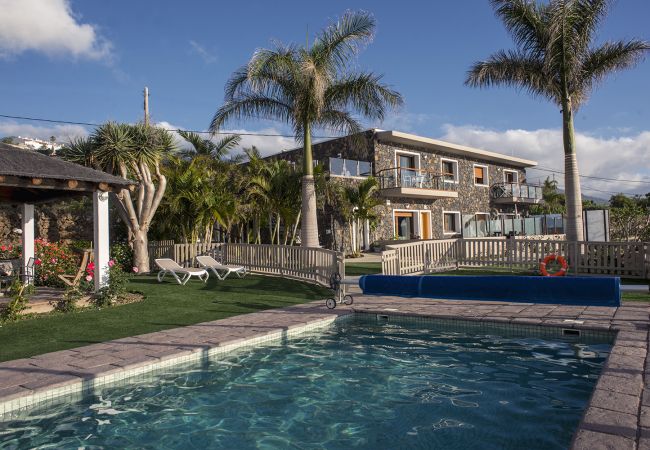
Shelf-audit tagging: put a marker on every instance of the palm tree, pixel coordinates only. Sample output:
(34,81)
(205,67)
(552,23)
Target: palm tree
(556,59)
(307,88)
(207,147)
(134,152)
(361,200)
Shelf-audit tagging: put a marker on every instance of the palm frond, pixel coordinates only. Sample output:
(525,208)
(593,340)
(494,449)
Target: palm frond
(611,57)
(365,93)
(525,21)
(511,68)
(336,44)
(251,106)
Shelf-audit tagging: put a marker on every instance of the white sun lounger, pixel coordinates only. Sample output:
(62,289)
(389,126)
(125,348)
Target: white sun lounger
(221,271)
(169,266)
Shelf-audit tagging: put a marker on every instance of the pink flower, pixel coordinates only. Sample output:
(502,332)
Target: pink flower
(111,263)
(3,248)
(53,260)
(89,278)
(37,262)
(136,270)
(91,266)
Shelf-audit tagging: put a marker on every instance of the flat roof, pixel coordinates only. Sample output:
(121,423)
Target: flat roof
(448,147)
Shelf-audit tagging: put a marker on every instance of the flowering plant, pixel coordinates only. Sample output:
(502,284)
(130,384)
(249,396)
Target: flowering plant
(51,260)
(9,251)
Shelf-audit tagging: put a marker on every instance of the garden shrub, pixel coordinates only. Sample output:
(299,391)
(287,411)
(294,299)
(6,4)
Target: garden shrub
(51,260)
(68,303)
(116,290)
(122,254)
(8,251)
(20,293)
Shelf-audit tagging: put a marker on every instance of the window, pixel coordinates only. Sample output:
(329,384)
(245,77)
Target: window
(404,224)
(449,170)
(480,175)
(510,176)
(350,167)
(450,222)
(406,161)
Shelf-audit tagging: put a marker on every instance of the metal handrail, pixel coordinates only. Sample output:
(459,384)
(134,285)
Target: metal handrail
(521,190)
(399,177)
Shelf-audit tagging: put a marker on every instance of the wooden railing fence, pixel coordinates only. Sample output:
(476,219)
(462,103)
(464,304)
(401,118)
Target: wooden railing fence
(315,265)
(625,259)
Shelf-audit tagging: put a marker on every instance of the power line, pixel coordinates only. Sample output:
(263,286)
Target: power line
(89,124)
(543,169)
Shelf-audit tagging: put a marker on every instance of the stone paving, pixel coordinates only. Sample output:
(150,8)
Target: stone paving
(617,417)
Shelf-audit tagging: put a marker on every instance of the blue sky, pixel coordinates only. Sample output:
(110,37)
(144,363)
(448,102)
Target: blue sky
(185,51)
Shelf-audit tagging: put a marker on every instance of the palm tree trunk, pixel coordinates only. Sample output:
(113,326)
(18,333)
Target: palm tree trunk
(309,228)
(573,226)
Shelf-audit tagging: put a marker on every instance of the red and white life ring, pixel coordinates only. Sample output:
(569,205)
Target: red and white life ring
(560,260)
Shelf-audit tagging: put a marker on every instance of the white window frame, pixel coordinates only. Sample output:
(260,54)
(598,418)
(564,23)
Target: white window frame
(511,171)
(416,222)
(456,172)
(485,172)
(404,152)
(459,226)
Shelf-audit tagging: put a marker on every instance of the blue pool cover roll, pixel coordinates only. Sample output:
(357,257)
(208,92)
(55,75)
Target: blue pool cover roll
(585,291)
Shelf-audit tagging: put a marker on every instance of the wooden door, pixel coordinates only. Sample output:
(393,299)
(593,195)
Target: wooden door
(425,225)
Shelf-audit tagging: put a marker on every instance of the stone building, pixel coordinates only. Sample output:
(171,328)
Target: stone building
(430,189)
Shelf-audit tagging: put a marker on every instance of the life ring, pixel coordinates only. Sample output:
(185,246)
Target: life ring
(560,260)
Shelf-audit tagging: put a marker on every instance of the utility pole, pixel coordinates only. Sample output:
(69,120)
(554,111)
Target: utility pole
(146,106)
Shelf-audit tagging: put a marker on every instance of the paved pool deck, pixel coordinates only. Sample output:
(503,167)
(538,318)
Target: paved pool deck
(617,417)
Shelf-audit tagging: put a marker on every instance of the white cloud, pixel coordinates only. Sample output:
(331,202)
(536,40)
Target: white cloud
(63,133)
(622,157)
(50,27)
(207,56)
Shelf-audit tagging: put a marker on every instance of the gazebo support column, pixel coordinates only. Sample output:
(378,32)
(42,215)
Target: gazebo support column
(28,239)
(101,238)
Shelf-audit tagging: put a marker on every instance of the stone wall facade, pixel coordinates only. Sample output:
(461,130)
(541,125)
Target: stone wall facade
(365,146)
(61,221)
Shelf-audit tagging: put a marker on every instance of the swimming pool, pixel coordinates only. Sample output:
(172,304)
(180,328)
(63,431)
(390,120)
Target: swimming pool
(360,383)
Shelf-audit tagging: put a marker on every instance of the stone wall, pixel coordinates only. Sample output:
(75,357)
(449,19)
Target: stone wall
(471,199)
(70,220)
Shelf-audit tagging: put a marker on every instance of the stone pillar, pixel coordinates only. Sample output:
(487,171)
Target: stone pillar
(28,240)
(101,238)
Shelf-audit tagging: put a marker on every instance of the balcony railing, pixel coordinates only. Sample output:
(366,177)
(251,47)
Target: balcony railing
(516,192)
(414,183)
(413,178)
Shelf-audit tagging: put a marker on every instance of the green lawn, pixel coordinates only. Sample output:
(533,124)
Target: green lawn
(166,305)
(359,268)
(353,269)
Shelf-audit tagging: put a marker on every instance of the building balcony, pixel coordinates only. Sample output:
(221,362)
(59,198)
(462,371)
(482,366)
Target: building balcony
(414,183)
(505,193)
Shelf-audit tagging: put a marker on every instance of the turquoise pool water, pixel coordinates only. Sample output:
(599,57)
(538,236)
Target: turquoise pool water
(358,384)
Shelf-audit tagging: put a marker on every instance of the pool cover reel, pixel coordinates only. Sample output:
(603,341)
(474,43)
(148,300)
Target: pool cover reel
(585,291)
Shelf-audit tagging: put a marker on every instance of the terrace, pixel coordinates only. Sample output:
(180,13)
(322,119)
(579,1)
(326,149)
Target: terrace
(507,193)
(415,183)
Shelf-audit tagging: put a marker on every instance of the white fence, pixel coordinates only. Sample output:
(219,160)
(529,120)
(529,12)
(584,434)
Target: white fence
(316,265)
(625,259)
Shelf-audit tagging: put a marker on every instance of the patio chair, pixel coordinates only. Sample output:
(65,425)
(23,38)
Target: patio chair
(221,271)
(73,280)
(169,266)
(27,272)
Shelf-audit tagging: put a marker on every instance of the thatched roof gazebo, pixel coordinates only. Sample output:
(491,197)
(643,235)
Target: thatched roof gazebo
(28,178)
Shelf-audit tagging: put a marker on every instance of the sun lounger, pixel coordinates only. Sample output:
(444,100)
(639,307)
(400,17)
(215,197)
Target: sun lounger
(221,271)
(181,274)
